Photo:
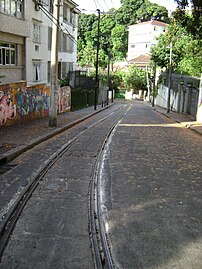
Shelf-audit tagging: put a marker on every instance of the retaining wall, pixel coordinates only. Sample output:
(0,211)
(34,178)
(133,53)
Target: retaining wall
(20,103)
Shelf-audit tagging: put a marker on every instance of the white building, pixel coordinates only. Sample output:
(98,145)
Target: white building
(13,33)
(142,36)
(25,40)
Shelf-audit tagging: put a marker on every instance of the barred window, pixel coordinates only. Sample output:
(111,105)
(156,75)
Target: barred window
(7,54)
(36,33)
(12,7)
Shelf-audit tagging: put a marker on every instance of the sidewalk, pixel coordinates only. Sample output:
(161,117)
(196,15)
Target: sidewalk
(185,120)
(16,139)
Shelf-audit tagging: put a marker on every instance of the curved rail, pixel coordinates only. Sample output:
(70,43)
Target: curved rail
(101,250)
(12,218)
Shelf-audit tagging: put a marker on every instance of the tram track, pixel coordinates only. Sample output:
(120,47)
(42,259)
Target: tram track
(101,249)
(95,210)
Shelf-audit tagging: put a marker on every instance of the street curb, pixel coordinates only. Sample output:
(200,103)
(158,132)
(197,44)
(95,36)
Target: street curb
(14,153)
(185,126)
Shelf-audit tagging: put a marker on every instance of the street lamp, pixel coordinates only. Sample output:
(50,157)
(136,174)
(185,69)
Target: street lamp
(96,65)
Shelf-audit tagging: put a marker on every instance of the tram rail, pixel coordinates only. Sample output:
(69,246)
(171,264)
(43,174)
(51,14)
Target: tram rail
(102,254)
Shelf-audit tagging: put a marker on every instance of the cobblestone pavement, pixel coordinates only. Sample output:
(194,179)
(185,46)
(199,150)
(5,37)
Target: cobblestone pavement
(154,215)
(53,229)
(18,138)
(22,136)
(154,208)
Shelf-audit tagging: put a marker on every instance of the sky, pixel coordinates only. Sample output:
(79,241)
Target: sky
(92,5)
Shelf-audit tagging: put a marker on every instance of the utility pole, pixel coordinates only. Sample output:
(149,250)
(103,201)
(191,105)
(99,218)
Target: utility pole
(108,73)
(169,78)
(97,56)
(54,66)
(154,84)
(148,84)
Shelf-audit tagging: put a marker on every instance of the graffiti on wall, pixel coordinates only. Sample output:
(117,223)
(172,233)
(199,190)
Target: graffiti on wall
(30,100)
(20,103)
(7,109)
(64,99)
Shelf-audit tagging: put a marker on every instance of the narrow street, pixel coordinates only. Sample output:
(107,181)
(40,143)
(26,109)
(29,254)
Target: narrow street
(150,182)
(154,215)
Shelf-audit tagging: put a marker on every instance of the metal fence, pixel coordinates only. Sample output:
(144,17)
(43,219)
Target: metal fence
(80,79)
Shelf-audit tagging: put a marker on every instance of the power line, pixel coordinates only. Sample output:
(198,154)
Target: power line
(95,4)
(100,5)
(106,4)
(112,4)
(60,25)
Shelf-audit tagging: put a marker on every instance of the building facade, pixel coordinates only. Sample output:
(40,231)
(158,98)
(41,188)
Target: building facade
(25,40)
(142,36)
(14,30)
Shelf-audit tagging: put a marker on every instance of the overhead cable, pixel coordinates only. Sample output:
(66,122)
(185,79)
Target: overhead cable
(56,22)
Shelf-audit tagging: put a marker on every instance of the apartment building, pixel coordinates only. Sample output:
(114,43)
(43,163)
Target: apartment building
(142,36)
(25,39)
(14,31)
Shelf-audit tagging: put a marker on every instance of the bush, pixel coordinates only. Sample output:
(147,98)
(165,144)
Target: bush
(81,98)
(135,78)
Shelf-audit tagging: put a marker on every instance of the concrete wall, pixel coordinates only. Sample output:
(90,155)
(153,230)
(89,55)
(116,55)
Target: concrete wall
(199,111)
(20,103)
(184,94)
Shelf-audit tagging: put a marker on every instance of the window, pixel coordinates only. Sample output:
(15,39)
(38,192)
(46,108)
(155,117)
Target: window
(65,15)
(37,67)
(36,33)
(7,54)
(49,37)
(72,16)
(69,44)
(12,7)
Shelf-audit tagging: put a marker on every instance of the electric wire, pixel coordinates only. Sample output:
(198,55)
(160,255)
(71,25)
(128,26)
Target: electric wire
(112,4)
(100,5)
(106,4)
(57,23)
(95,4)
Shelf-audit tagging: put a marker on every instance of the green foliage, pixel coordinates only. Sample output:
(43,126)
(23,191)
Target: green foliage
(64,82)
(186,50)
(87,56)
(135,78)
(191,63)
(119,42)
(193,22)
(113,30)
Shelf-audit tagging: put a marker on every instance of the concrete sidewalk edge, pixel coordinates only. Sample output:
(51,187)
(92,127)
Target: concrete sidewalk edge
(188,126)
(14,153)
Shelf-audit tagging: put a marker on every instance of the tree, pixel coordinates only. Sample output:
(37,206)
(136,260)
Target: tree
(193,22)
(113,28)
(135,78)
(186,51)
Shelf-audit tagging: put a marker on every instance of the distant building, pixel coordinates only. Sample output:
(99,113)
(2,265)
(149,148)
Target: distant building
(25,40)
(141,37)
